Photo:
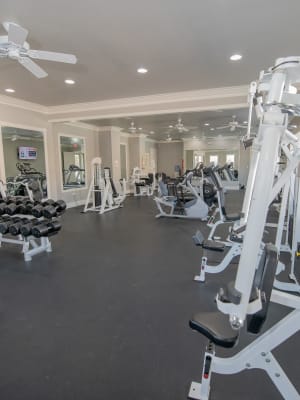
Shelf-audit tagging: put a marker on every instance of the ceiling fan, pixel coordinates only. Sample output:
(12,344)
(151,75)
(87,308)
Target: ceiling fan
(15,47)
(132,128)
(180,127)
(232,125)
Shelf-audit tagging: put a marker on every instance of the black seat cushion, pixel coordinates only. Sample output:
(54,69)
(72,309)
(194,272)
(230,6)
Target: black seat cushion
(232,217)
(216,327)
(213,245)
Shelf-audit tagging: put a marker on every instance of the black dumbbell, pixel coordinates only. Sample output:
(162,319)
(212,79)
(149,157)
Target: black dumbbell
(46,229)
(53,210)
(3,205)
(4,218)
(4,225)
(37,210)
(14,229)
(17,207)
(25,229)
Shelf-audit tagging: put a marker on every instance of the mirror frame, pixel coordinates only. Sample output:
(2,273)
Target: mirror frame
(60,164)
(45,139)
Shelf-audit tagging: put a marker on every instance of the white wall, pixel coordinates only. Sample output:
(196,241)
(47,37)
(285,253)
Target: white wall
(218,146)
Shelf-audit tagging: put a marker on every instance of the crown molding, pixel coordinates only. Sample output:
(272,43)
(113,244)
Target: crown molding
(141,105)
(142,101)
(148,139)
(23,104)
(170,141)
(83,125)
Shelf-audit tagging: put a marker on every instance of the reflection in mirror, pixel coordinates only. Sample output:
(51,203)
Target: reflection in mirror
(24,162)
(73,162)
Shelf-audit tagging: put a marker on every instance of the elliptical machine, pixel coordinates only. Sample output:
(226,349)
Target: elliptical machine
(176,205)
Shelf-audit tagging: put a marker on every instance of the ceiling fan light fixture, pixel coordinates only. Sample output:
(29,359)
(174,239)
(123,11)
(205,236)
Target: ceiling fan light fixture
(69,81)
(236,57)
(142,70)
(10,90)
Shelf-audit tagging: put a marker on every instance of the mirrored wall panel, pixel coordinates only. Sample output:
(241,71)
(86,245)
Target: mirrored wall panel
(73,162)
(24,161)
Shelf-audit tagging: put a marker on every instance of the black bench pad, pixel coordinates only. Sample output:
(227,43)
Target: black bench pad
(232,217)
(216,327)
(213,245)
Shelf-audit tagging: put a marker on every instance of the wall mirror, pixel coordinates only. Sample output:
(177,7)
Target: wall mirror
(72,151)
(24,162)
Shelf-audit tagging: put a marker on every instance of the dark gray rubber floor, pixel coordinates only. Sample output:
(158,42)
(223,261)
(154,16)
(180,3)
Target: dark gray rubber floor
(105,316)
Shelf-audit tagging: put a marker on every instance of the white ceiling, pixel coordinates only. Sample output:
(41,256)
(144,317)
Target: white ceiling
(194,121)
(185,45)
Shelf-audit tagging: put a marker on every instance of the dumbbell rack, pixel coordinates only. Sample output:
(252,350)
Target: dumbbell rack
(30,245)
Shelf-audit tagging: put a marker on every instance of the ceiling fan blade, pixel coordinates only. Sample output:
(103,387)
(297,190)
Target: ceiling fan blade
(241,126)
(223,127)
(17,34)
(32,67)
(52,56)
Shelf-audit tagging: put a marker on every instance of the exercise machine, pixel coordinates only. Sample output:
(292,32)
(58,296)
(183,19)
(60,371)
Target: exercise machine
(175,206)
(142,185)
(102,195)
(74,176)
(247,298)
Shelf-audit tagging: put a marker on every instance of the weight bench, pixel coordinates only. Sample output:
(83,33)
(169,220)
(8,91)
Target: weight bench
(216,327)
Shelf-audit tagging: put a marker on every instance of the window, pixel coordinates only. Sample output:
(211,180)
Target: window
(229,158)
(197,159)
(213,160)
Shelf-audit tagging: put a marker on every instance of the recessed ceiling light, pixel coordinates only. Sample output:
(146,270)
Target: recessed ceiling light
(212,129)
(142,70)
(140,129)
(170,126)
(245,122)
(69,81)
(236,57)
(9,90)
(206,124)
(151,132)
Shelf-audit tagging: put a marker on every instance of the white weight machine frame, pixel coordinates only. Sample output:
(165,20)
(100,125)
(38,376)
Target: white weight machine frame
(279,99)
(137,177)
(102,185)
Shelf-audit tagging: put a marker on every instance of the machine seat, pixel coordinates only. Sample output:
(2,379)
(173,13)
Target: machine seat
(213,245)
(216,327)
(232,217)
